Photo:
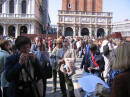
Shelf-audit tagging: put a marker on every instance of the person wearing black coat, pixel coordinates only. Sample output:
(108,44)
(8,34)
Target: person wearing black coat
(23,71)
(93,61)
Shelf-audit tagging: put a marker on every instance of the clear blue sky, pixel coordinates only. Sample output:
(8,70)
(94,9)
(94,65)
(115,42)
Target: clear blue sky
(120,9)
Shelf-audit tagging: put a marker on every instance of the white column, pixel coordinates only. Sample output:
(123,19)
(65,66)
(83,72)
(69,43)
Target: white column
(16,7)
(74,34)
(5,30)
(63,19)
(95,32)
(32,28)
(90,31)
(4,7)
(32,6)
(106,31)
(29,29)
(29,7)
(7,6)
(19,6)
(63,31)
(79,32)
(17,31)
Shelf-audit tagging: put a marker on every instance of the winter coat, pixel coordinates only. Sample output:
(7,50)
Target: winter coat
(3,56)
(15,76)
(87,62)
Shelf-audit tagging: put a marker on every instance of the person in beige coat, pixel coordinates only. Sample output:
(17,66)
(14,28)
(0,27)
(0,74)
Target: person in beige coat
(68,67)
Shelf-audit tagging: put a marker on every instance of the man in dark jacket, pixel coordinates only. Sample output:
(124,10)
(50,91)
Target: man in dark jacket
(93,62)
(23,71)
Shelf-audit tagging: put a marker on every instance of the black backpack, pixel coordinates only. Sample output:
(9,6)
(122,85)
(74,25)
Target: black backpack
(106,50)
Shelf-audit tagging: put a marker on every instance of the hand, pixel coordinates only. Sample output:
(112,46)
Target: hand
(61,60)
(32,57)
(90,68)
(23,58)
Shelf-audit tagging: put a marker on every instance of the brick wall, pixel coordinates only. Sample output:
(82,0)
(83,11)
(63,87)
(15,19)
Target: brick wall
(83,5)
(64,4)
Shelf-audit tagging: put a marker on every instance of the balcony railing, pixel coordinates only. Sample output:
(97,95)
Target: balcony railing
(62,12)
(16,16)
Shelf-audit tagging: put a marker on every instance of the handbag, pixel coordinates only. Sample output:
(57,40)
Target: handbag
(48,69)
(34,85)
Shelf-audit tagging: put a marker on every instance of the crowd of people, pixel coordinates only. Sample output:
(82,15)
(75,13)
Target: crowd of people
(24,63)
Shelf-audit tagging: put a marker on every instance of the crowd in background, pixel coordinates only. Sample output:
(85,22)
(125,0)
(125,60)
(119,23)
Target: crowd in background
(24,63)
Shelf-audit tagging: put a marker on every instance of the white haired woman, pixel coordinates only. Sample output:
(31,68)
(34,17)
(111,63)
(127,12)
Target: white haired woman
(121,83)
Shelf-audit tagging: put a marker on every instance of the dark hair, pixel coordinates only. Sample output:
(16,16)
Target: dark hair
(22,40)
(3,43)
(93,47)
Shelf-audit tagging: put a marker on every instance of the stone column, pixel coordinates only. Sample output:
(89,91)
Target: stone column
(79,33)
(90,31)
(63,31)
(28,27)
(4,7)
(106,31)
(74,34)
(95,32)
(20,7)
(63,19)
(17,33)
(32,7)
(29,6)
(32,28)
(16,7)
(5,30)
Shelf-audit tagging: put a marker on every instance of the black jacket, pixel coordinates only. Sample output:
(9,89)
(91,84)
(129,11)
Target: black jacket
(13,69)
(87,62)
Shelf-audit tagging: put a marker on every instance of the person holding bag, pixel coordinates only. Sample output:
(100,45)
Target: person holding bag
(58,53)
(68,67)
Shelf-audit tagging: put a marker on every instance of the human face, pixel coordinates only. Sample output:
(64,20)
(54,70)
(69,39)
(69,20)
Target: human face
(66,43)
(59,45)
(7,46)
(37,40)
(25,48)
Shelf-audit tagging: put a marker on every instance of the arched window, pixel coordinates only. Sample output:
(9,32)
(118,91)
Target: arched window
(68,31)
(85,31)
(11,31)
(23,6)
(11,6)
(0,8)
(100,32)
(23,30)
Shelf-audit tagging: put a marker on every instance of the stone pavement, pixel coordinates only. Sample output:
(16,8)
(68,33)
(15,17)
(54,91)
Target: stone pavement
(77,88)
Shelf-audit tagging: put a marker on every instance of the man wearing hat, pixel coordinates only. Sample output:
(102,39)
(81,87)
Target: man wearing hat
(58,54)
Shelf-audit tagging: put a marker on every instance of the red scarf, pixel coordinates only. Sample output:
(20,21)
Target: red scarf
(94,62)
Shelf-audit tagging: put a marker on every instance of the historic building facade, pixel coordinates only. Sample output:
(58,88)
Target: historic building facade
(84,17)
(23,16)
(123,27)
